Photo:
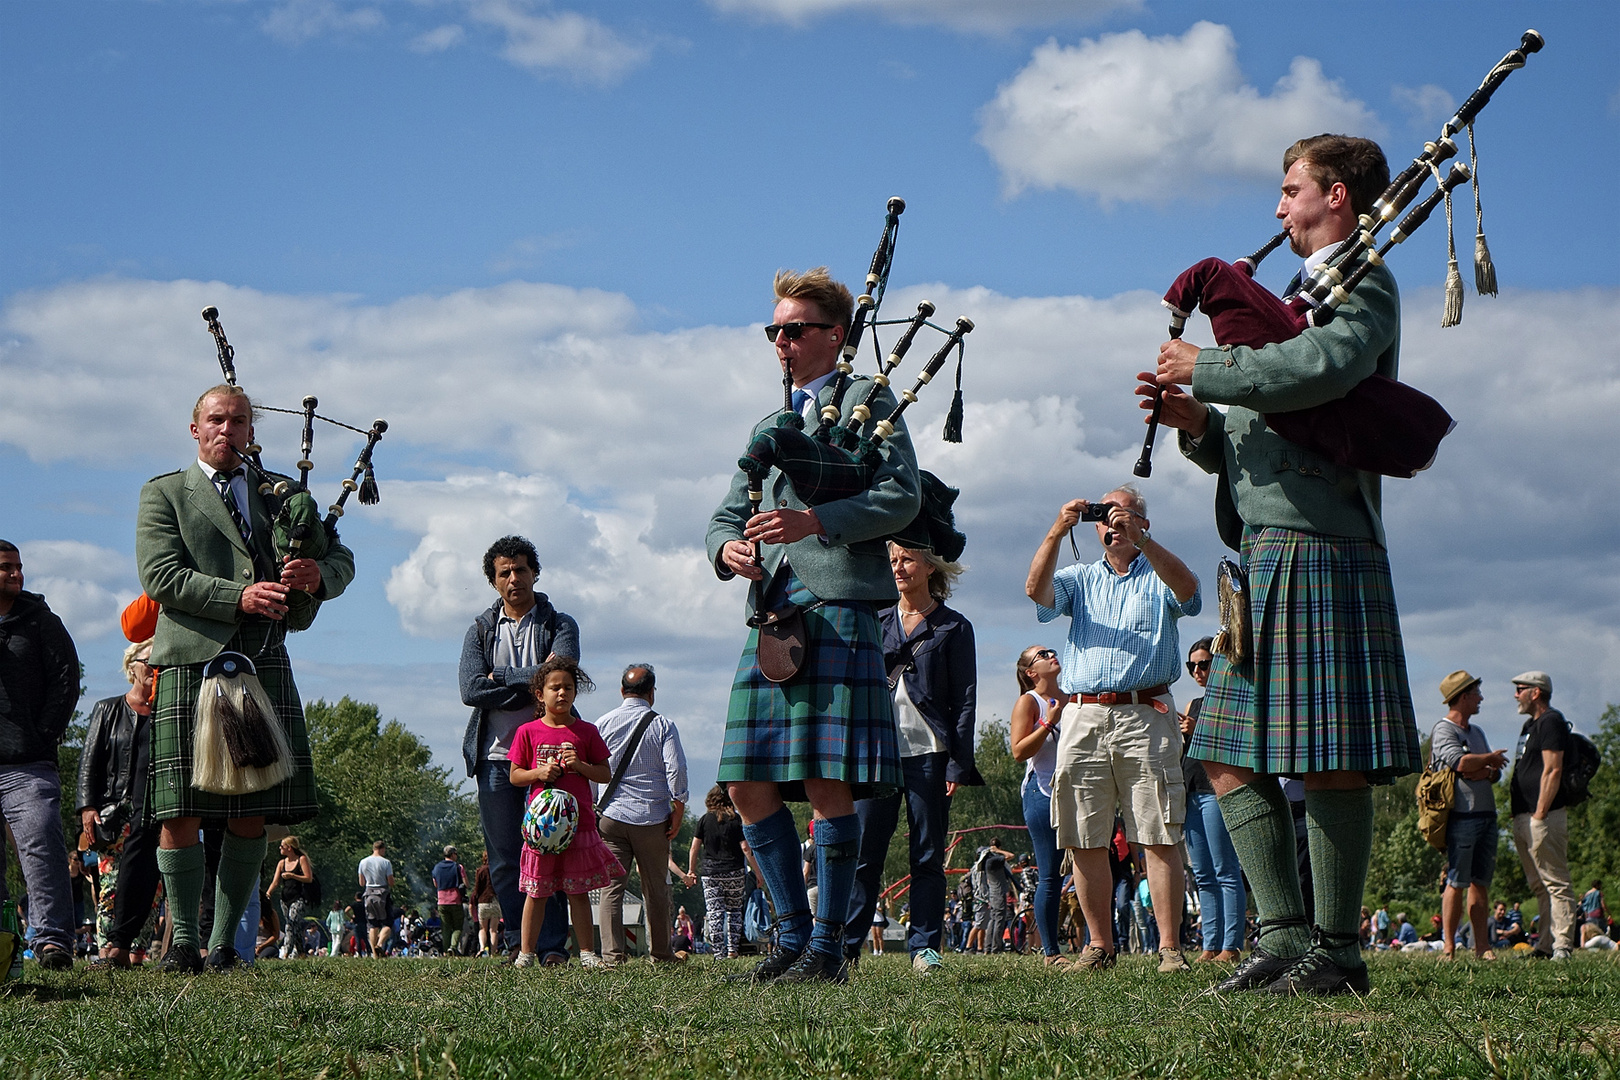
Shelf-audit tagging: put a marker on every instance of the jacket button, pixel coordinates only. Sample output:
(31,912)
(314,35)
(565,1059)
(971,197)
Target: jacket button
(247,575)
(782,504)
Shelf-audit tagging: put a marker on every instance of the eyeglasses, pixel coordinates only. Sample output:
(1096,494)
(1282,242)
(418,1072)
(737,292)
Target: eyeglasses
(1520,688)
(793,330)
(1195,666)
(1045,654)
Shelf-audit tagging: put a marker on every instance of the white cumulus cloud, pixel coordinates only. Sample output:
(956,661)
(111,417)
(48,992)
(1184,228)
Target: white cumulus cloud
(1126,117)
(296,21)
(990,16)
(85,584)
(547,42)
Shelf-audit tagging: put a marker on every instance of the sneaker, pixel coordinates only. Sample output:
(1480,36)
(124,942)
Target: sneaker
(1317,975)
(524,960)
(181,960)
(223,958)
(55,958)
(1558,954)
(1170,959)
(815,966)
(1093,958)
(1259,970)
(776,962)
(927,962)
(592,962)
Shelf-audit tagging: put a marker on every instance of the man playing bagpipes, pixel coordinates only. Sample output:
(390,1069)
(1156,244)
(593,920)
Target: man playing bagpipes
(826,731)
(1323,691)
(228,738)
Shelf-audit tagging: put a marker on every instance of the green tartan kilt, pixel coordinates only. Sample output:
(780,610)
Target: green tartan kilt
(169,793)
(1325,688)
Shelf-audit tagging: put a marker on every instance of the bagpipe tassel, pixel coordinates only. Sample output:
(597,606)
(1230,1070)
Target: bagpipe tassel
(1484,268)
(1454,295)
(953,419)
(369,495)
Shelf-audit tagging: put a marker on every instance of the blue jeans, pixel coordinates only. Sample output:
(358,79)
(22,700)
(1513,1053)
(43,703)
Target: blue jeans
(927,810)
(1221,903)
(1048,861)
(500,811)
(31,803)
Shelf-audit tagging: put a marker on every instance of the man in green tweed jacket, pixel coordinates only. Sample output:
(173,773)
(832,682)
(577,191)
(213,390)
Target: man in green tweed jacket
(205,552)
(1324,695)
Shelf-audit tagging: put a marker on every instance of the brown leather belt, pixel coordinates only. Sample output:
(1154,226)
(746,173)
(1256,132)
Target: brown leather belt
(1126,697)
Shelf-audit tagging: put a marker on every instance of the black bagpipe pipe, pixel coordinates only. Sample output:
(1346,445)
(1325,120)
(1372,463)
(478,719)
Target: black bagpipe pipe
(1381,425)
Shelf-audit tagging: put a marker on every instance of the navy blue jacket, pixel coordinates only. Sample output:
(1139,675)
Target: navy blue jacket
(941,670)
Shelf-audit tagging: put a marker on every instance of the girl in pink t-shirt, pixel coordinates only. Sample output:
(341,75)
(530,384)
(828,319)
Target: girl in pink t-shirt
(557,750)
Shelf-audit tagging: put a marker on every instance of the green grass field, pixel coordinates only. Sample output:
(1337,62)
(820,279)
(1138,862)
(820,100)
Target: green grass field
(982,1017)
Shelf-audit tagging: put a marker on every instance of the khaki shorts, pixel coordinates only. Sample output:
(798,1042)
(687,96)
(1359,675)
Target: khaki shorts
(1118,756)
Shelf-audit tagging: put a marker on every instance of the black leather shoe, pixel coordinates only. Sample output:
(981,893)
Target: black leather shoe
(1317,975)
(223,958)
(773,967)
(816,966)
(181,960)
(1261,969)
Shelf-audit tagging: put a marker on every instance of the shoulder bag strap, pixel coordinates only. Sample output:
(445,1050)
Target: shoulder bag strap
(630,749)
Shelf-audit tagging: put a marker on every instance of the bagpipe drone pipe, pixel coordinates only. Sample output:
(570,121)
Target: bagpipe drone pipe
(839,460)
(1381,425)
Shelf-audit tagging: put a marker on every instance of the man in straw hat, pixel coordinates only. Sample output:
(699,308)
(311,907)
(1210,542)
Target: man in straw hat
(1471,829)
(205,553)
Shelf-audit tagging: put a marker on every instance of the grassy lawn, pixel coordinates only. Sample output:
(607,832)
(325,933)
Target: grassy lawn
(983,1017)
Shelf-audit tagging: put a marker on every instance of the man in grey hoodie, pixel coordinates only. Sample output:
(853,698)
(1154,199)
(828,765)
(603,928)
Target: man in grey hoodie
(39,686)
(503,648)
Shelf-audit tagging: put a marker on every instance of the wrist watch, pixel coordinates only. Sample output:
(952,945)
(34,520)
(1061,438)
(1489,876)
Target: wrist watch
(1143,539)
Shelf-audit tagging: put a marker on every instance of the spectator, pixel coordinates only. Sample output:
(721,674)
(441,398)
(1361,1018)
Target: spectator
(503,649)
(1405,933)
(1222,903)
(1121,749)
(1381,925)
(377,879)
(1461,746)
(641,812)
(450,883)
(39,686)
(991,880)
(295,876)
(112,802)
(488,910)
(335,924)
(719,837)
(1540,826)
(1594,914)
(684,932)
(1033,735)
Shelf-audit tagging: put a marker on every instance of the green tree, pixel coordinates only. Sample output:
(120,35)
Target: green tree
(376,781)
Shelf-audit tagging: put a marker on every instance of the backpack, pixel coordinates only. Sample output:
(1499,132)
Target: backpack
(1581,763)
(1436,795)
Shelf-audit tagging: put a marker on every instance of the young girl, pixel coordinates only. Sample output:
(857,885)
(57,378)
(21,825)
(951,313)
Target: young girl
(555,749)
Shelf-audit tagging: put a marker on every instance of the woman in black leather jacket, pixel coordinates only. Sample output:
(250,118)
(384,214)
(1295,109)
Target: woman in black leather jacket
(112,795)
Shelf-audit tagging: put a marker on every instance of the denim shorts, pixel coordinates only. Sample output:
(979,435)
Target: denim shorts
(1470,850)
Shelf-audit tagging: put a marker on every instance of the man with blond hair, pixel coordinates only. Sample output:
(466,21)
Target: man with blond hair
(826,734)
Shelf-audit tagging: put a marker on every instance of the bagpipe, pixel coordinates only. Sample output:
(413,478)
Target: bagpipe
(1381,425)
(299,530)
(839,460)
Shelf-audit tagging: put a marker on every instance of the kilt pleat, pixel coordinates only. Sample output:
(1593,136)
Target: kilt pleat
(834,720)
(1326,687)
(169,793)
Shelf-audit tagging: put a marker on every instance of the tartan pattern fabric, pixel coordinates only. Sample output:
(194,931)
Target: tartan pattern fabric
(834,720)
(169,793)
(820,473)
(1326,687)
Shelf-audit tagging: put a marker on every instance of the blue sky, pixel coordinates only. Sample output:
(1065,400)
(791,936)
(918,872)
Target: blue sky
(538,237)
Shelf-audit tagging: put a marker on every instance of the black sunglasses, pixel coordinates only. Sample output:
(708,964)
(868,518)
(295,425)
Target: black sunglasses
(1197,665)
(793,330)
(1045,654)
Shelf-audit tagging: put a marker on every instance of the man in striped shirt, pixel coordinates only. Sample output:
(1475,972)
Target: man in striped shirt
(1118,746)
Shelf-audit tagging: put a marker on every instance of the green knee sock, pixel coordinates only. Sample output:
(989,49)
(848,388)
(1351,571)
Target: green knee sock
(1339,825)
(239,862)
(1262,831)
(183,875)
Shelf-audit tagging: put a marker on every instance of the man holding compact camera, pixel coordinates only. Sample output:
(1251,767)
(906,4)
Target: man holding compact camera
(1118,741)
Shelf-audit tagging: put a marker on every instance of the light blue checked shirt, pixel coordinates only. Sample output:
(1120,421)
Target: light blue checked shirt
(1122,629)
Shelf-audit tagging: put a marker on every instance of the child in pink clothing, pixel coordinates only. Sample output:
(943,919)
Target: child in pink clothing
(557,750)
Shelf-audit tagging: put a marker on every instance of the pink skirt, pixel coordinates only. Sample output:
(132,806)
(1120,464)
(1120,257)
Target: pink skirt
(587,864)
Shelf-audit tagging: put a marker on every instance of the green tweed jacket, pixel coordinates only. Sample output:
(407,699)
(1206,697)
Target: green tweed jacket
(1269,480)
(194,563)
(851,562)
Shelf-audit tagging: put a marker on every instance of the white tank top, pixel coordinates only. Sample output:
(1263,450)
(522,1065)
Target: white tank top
(1040,766)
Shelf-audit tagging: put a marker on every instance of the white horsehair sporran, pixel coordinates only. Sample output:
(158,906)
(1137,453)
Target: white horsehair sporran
(239,745)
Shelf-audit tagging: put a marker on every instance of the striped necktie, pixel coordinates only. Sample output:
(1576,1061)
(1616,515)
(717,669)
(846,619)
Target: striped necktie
(222,481)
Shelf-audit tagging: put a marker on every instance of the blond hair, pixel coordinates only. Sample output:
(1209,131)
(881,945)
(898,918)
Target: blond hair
(132,654)
(816,286)
(224,390)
